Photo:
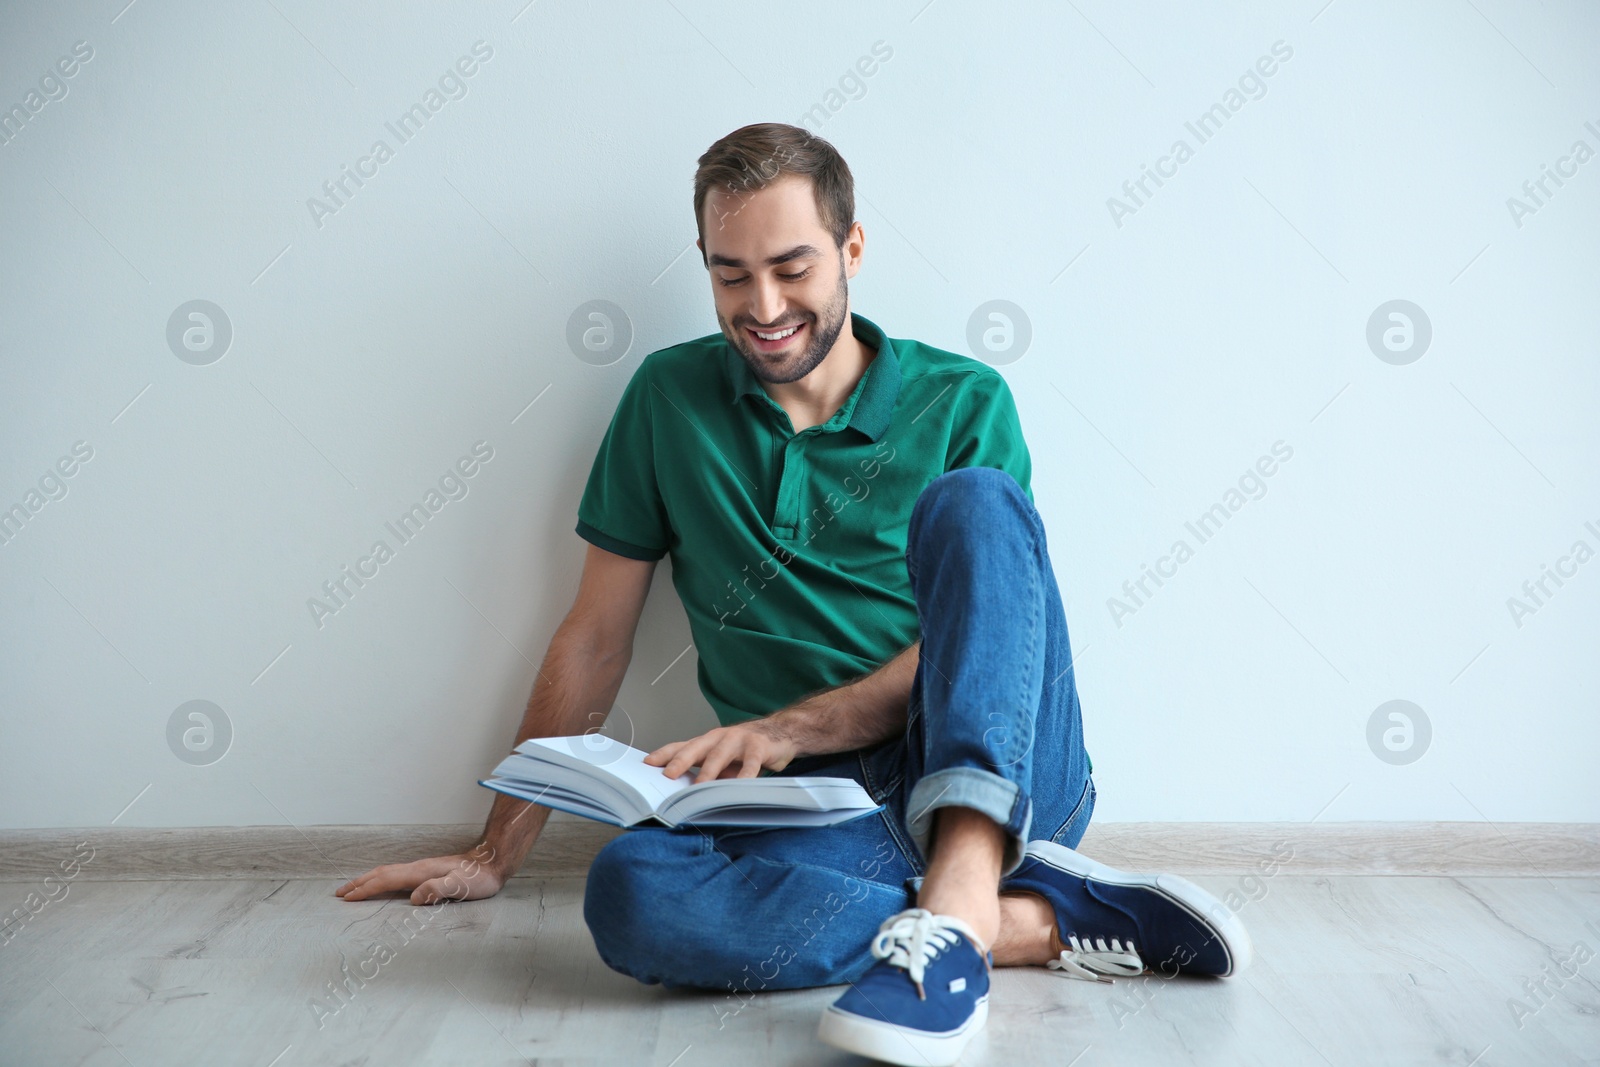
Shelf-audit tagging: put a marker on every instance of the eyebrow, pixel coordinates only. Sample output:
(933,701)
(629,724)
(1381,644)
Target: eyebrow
(797,252)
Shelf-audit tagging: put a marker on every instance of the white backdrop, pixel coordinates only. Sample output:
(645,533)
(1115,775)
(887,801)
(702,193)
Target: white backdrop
(359,342)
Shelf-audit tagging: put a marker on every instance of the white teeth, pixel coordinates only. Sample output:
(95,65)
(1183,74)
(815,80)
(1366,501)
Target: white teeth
(777,336)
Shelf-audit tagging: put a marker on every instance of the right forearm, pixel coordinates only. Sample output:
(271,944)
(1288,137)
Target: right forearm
(573,692)
(860,713)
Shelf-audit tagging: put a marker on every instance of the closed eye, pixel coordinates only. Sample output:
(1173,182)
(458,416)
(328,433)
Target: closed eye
(785,277)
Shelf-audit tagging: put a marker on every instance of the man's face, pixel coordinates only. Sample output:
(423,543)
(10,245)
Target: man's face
(775,271)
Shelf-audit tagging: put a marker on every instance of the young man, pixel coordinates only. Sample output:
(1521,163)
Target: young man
(854,540)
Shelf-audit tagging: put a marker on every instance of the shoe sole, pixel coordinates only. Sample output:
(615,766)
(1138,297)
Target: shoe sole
(1203,906)
(896,1044)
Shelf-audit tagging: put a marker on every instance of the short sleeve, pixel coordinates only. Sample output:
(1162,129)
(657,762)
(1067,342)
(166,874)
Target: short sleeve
(988,433)
(621,509)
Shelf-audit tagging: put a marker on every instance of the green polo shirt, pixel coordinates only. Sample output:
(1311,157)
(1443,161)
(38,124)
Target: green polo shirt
(788,549)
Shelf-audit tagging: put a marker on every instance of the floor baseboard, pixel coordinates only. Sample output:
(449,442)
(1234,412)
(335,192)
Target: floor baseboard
(568,843)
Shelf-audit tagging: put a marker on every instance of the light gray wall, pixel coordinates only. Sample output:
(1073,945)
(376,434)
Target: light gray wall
(1174,340)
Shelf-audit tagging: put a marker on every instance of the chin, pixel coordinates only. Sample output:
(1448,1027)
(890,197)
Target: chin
(783,370)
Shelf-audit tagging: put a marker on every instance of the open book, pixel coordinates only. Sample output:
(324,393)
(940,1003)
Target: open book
(599,778)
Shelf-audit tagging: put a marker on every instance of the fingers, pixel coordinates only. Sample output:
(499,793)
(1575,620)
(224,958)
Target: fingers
(664,753)
(714,753)
(405,877)
(378,880)
(740,769)
(356,881)
(687,754)
(730,750)
(435,890)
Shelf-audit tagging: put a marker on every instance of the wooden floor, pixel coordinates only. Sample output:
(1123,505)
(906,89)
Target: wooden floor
(1356,970)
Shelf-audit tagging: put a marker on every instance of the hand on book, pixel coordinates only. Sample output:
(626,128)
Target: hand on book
(740,751)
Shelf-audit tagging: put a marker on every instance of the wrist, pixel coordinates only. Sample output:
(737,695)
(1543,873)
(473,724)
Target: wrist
(790,727)
(490,857)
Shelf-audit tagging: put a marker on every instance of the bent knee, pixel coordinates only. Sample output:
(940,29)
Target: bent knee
(975,485)
(967,496)
(631,875)
(634,902)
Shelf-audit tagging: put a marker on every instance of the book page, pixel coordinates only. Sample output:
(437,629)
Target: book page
(774,818)
(612,758)
(775,800)
(559,799)
(537,770)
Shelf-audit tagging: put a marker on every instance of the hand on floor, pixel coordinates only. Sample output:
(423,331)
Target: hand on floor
(465,876)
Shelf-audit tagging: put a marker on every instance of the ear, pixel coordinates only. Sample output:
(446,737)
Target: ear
(854,246)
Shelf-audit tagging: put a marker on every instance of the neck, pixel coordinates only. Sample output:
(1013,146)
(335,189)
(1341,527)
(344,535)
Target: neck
(812,400)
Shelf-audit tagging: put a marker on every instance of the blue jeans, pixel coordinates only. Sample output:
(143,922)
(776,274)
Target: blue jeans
(992,724)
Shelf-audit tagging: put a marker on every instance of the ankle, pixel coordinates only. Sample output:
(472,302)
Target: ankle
(1028,935)
(963,877)
(978,910)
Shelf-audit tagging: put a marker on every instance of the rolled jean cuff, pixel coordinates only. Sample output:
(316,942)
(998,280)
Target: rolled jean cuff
(967,787)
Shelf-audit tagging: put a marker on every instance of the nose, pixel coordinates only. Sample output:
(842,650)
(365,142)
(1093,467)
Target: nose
(767,305)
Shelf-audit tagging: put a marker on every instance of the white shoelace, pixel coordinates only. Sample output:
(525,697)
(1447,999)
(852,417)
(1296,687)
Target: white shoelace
(1095,962)
(912,938)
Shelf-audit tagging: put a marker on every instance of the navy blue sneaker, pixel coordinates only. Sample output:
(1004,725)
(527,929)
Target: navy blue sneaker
(1113,924)
(922,1001)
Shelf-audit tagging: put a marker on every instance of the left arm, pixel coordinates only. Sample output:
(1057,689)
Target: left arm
(863,712)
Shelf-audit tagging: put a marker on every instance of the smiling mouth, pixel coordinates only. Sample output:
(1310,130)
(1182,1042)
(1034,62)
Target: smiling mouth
(774,336)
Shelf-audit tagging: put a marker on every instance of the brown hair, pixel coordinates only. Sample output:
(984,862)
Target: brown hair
(753,157)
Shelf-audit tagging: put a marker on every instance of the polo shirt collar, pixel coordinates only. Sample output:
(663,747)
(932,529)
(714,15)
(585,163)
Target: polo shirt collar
(870,406)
